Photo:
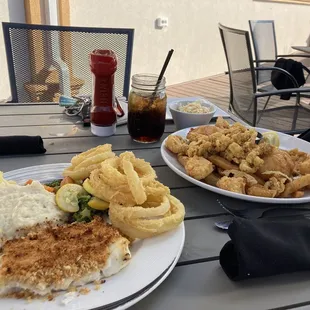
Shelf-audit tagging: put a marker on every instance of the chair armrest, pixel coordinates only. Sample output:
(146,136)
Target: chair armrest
(280,70)
(283,91)
(264,60)
(273,61)
(295,55)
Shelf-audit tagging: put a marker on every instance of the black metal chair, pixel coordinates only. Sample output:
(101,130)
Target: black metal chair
(244,97)
(45,62)
(265,49)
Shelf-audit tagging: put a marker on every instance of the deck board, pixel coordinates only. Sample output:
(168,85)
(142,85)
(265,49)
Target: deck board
(216,89)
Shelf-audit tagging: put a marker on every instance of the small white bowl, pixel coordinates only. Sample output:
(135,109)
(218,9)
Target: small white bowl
(184,120)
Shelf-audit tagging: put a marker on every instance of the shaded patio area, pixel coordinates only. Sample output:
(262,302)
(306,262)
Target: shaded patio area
(216,89)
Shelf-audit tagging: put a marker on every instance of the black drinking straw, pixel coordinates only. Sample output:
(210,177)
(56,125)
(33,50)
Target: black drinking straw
(162,72)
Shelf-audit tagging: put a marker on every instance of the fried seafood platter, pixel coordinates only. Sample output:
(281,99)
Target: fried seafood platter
(102,218)
(231,160)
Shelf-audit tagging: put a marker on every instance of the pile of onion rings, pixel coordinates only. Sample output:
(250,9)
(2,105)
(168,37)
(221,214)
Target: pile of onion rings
(140,206)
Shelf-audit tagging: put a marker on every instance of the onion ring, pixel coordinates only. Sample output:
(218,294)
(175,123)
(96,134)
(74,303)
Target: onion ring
(134,182)
(80,174)
(156,189)
(143,168)
(108,193)
(137,212)
(146,228)
(77,159)
(111,176)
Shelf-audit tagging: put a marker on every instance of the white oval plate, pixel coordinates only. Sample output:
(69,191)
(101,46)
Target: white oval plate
(152,261)
(286,142)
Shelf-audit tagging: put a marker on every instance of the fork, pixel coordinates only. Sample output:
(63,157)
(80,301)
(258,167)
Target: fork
(257,213)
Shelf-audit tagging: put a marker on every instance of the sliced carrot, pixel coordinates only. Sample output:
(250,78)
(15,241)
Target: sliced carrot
(66,180)
(49,189)
(29,182)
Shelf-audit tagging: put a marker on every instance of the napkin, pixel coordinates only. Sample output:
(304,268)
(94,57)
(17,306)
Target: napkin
(13,145)
(266,247)
(305,135)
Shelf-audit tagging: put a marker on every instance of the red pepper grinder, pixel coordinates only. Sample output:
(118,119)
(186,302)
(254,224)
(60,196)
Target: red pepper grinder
(103,64)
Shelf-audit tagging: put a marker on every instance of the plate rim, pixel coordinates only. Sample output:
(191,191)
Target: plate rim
(9,175)
(164,150)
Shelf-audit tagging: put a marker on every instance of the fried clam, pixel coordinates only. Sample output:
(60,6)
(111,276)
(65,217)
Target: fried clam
(304,167)
(232,184)
(234,153)
(199,148)
(277,184)
(146,227)
(249,179)
(176,144)
(296,185)
(221,123)
(298,157)
(239,173)
(256,158)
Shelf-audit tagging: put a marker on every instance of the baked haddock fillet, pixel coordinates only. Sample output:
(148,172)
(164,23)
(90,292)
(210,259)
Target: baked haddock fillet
(55,258)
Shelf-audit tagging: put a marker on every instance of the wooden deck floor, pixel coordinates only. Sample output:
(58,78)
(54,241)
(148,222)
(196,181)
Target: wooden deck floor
(216,89)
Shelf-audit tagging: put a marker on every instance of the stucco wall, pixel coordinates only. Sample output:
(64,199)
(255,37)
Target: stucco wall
(192,30)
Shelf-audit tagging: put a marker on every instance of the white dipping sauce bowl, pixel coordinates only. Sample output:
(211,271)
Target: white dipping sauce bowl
(184,120)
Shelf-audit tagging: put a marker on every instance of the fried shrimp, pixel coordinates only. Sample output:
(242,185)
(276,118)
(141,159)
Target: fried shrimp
(198,167)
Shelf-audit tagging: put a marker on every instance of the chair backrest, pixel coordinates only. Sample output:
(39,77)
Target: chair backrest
(241,72)
(265,45)
(47,61)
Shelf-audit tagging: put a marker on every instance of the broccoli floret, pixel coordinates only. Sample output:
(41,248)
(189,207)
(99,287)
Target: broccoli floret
(85,213)
(55,183)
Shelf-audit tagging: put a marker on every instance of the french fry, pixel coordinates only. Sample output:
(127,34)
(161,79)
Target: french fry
(212,179)
(296,185)
(258,179)
(298,194)
(182,159)
(222,163)
(261,191)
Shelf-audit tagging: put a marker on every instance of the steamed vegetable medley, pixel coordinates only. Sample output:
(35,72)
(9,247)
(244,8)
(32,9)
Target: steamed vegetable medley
(76,199)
